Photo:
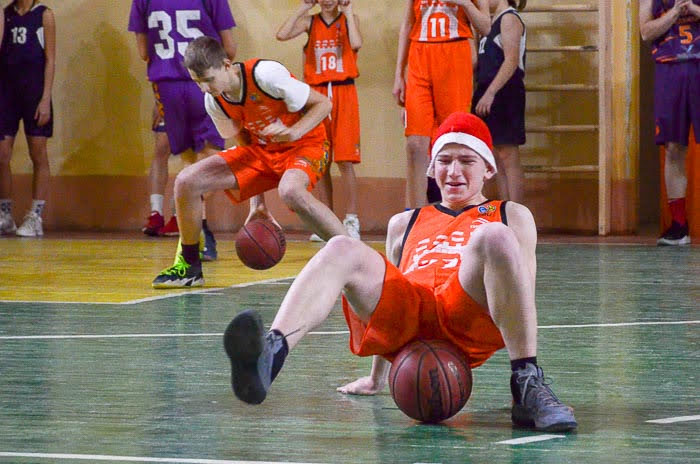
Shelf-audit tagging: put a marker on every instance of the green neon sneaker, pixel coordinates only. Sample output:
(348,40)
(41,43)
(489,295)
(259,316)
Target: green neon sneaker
(180,275)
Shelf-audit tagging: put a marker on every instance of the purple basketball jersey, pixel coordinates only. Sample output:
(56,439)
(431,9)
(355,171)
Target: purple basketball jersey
(682,40)
(171,25)
(23,42)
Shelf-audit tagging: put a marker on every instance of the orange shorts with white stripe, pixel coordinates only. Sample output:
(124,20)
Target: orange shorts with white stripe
(343,124)
(407,311)
(438,83)
(258,170)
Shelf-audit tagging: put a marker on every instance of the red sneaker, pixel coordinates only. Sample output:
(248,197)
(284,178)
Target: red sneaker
(154,224)
(170,229)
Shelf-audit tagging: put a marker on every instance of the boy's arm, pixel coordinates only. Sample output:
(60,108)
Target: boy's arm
(478,13)
(42,114)
(651,28)
(142,45)
(297,23)
(511,34)
(229,43)
(399,90)
(227,127)
(353,24)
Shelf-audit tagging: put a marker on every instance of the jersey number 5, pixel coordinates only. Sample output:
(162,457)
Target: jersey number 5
(684,31)
(161,21)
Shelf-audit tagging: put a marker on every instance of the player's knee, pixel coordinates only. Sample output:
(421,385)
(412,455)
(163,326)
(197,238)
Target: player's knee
(675,152)
(495,240)
(186,183)
(417,148)
(342,249)
(292,195)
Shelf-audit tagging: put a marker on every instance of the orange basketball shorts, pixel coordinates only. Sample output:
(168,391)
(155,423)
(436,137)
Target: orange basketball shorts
(258,170)
(438,83)
(407,311)
(343,124)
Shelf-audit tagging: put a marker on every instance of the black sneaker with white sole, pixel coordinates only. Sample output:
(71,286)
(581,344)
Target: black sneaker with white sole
(180,275)
(675,235)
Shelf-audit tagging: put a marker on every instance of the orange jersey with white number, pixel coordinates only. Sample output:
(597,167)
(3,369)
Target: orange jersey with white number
(435,237)
(328,56)
(257,110)
(437,21)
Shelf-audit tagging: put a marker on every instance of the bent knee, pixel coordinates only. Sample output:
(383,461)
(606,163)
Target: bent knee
(187,182)
(291,194)
(494,237)
(344,249)
(675,152)
(417,146)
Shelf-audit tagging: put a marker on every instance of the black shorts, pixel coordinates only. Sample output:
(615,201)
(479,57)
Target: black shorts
(19,99)
(506,121)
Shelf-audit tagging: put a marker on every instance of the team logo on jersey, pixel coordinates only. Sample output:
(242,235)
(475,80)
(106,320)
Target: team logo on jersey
(487,210)
(254,97)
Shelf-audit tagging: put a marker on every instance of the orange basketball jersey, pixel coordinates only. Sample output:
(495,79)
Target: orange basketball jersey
(328,54)
(257,110)
(434,239)
(437,21)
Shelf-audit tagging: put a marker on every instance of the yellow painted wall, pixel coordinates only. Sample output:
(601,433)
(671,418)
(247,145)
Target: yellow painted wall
(102,98)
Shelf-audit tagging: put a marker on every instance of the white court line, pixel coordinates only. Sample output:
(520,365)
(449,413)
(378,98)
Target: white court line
(143,335)
(337,332)
(205,290)
(671,420)
(616,324)
(520,441)
(103,457)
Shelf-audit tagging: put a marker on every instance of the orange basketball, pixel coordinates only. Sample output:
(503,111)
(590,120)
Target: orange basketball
(260,244)
(430,381)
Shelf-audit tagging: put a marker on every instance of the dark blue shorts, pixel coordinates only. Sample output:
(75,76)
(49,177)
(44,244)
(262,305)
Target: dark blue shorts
(506,121)
(676,101)
(186,120)
(19,100)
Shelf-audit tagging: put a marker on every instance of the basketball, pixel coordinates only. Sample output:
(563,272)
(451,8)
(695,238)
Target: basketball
(260,244)
(430,381)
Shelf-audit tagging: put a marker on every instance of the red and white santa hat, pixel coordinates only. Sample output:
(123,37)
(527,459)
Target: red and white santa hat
(465,129)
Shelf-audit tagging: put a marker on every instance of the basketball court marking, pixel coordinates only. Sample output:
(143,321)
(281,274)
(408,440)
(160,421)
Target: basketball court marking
(523,440)
(101,457)
(671,420)
(336,332)
(617,324)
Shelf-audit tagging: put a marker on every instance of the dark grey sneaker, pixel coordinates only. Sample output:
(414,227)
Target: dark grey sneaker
(252,354)
(536,405)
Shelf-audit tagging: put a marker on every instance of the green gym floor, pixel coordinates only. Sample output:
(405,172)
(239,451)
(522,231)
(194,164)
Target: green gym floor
(95,366)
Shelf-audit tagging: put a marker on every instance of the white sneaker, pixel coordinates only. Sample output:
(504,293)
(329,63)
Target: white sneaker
(7,224)
(315,238)
(352,226)
(31,227)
